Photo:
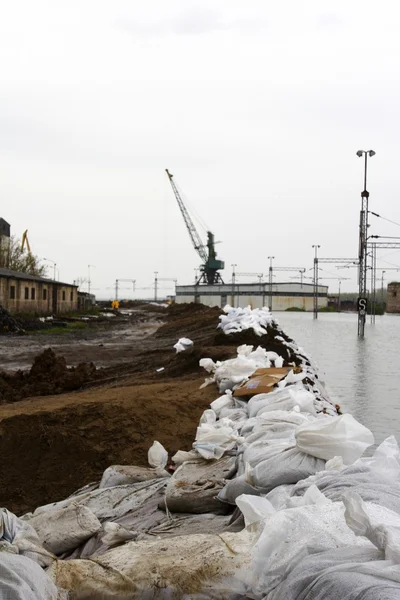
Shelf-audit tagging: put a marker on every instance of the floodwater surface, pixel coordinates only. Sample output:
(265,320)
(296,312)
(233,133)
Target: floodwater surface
(362,375)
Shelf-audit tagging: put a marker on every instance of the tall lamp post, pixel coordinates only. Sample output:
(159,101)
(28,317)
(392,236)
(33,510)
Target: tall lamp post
(233,283)
(270,258)
(54,266)
(89,280)
(316,246)
(383,273)
(363,247)
(155,285)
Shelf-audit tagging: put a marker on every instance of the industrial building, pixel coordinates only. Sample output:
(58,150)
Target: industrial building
(393,298)
(280,297)
(23,293)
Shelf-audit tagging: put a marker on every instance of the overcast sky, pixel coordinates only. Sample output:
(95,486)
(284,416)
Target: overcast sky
(256,107)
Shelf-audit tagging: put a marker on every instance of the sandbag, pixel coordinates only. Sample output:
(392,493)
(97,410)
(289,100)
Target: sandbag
(66,528)
(124,474)
(288,536)
(342,573)
(111,503)
(283,464)
(334,436)
(19,537)
(194,486)
(236,487)
(193,566)
(157,456)
(23,579)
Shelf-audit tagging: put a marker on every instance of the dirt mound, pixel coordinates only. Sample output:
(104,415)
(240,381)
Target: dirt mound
(49,375)
(52,446)
(193,320)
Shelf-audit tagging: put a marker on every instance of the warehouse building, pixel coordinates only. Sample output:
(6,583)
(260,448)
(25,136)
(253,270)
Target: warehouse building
(23,293)
(393,297)
(281,296)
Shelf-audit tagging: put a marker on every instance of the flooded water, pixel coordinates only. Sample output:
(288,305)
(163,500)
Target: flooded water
(362,375)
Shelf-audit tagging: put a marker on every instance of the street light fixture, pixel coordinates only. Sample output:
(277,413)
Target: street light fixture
(316,246)
(54,266)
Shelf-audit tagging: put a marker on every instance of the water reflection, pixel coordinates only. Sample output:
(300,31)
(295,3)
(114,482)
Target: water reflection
(362,375)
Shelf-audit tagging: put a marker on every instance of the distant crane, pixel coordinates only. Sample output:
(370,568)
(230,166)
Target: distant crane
(25,242)
(211,266)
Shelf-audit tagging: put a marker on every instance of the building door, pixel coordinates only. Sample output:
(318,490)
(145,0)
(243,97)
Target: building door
(55,292)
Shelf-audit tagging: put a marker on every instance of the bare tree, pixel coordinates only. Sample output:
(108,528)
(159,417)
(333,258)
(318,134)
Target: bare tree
(22,260)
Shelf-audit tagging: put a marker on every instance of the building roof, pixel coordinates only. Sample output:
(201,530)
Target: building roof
(9,274)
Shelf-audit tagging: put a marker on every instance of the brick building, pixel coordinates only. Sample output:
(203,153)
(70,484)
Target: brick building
(22,293)
(393,298)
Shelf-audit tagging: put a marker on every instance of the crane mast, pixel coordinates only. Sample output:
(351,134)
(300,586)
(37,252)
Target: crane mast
(211,265)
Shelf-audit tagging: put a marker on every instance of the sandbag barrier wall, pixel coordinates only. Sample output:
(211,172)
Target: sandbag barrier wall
(321,522)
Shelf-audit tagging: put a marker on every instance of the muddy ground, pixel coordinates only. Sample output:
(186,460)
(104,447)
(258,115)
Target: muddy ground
(54,440)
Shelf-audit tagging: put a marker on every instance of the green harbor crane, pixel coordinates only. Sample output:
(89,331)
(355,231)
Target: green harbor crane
(211,266)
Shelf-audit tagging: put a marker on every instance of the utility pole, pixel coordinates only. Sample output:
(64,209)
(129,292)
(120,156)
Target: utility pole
(155,285)
(362,248)
(316,246)
(233,283)
(89,280)
(338,302)
(270,258)
(383,273)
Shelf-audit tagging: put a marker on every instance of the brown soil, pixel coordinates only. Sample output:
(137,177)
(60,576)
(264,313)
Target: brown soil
(53,444)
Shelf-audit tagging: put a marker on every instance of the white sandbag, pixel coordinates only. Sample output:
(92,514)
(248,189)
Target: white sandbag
(212,441)
(236,487)
(182,456)
(225,401)
(288,536)
(240,319)
(194,486)
(183,345)
(189,566)
(254,509)
(209,416)
(19,537)
(123,474)
(334,436)
(115,534)
(284,400)
(23,579)
(157,456)
(312,496)
(111,503)
(342,573)
(66,528)
(282,465)
(381,527)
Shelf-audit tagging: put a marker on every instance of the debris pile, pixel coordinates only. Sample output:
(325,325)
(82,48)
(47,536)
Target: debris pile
(273,500)
(8,324)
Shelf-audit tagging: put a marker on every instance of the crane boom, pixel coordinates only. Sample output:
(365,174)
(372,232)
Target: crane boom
(194,236)
(210,269)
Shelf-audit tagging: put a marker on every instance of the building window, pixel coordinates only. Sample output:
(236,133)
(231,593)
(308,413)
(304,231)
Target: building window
(63,296)
(44,294)
(12,292)
(394,293)
(72,296)
(33,293)
(26,293)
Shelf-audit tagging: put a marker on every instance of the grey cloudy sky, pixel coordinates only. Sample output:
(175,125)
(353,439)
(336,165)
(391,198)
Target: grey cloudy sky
(257,107)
